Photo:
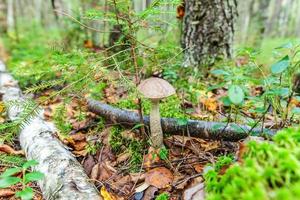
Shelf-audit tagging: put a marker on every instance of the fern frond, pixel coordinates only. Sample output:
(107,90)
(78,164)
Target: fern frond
(11,161)
(44,85)
(28,110)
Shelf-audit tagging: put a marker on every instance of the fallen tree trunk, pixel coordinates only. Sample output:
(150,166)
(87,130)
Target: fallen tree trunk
(195,128)
(64,179)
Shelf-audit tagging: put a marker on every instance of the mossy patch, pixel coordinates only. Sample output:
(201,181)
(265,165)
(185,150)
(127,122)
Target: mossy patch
(269,170)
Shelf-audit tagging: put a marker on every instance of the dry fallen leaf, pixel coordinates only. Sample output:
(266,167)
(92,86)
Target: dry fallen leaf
(195,193)
(150,193)
(2,107)
(5,193)
(151,158)
(104,172)
(106,195)
(159,177)
(210,104)
(79,146)
(9,150)
(95,172)
(198,167)
(78,136)
(123,157)
(88,164)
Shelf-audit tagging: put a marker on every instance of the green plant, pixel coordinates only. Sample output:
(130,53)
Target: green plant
(268,170)
(60,120)
(276,83)
(8,179)
(163,196)
(163,153)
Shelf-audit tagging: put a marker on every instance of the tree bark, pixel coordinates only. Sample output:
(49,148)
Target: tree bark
(195,128)
(3,16)
(208,28)
(64,177)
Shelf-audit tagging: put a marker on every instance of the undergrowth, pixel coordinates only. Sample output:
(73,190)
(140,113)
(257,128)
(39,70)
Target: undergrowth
(120,143)
(268,170)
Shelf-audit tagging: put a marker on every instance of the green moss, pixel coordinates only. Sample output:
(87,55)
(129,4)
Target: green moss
(60,120)
(170,107)
(270,170)
(136,148)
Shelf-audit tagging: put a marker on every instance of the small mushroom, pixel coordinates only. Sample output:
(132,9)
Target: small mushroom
(156,89)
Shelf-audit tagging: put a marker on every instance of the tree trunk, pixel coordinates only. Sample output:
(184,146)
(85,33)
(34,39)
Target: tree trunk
(3,16)
(208,27)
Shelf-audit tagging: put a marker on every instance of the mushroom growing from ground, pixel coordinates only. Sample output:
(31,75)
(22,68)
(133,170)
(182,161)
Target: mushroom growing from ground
(156,89)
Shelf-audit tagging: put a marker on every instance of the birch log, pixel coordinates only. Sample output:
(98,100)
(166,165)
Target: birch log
(64,179)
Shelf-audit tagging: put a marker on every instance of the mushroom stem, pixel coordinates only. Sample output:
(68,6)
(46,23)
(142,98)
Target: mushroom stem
(155,125)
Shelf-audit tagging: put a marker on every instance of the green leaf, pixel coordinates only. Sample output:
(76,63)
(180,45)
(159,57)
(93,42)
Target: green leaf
(163,153)
(288,45)
(25,194)
(8,181)
(281,65)
(137,126)
(10,172)
(30,163)
(226,101)
(220,72)
(33,176)
(236,94)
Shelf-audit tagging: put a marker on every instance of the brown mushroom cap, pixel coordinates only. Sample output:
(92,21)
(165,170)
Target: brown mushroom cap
(156,88)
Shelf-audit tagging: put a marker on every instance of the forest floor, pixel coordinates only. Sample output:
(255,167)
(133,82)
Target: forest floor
(121,159)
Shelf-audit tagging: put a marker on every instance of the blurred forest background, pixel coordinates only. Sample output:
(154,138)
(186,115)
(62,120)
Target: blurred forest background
(64,51)
(260,23)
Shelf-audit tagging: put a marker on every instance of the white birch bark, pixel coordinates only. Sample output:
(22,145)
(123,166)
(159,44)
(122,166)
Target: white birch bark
(64,179)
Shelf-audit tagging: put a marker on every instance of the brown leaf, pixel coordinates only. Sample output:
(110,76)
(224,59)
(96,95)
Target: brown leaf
(78,136)
(210,104)
(195,193)
(137,177)
(180,180)
(104,172)
(80,153)
(9,150)
(95,172)
(122,184)
(78,146)
(79,124)
(88,164)
(150,193)
(110,94)
(123,157)
(159,177)
(199,167)
(151,158)
(6,193)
